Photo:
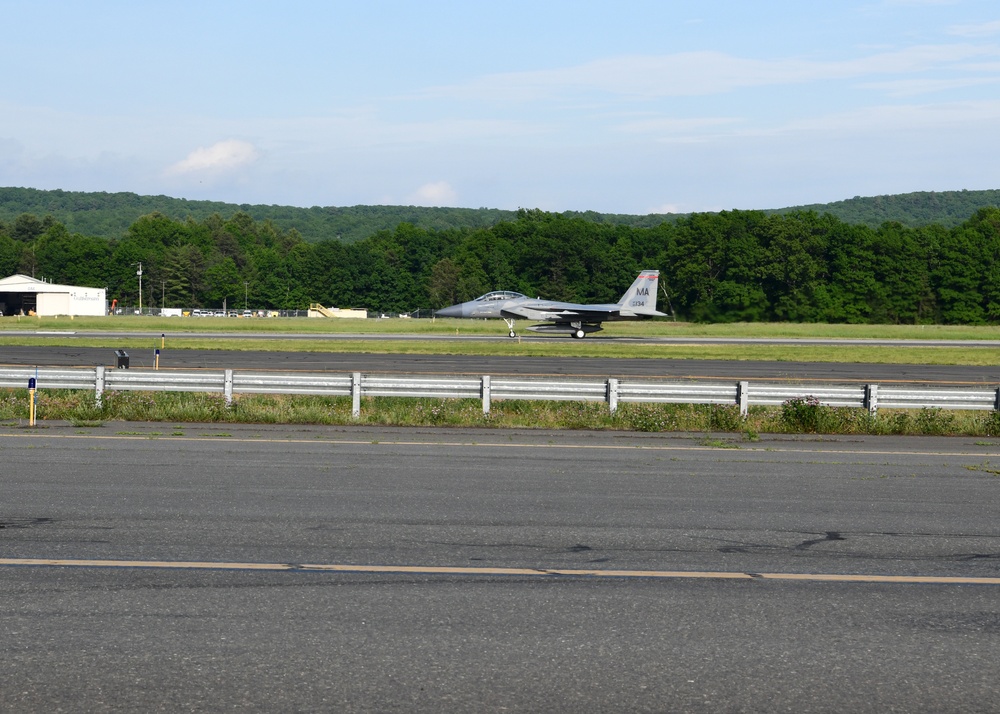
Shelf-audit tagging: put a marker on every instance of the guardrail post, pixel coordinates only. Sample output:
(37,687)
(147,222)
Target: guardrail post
(227,388)
(871,399)
(612,394)
(356,395)
(485,392)
(99,384)
(743,398)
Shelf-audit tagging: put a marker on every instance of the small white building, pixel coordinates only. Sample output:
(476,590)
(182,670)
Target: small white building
(21,295)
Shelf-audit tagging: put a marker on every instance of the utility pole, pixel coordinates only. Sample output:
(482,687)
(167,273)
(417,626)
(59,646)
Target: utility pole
(246,292)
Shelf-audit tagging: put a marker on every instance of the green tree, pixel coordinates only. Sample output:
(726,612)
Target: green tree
(183,276)
(613,269)
(852,288)
(795,265)
(27,228)
(443,287)
(72,259)
(985,225)
(223,284)
(902,273)
(272,284)
(718,263)
(10,255)
(957,273)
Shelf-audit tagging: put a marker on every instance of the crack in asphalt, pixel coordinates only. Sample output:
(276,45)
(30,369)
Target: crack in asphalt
(830,536)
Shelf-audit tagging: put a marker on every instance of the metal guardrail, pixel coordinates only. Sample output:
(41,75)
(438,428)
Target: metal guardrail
(679,392)
(332,385)
(48,377)
(378,385)
(541,389)
(612,390)
(136,380)
(774,394)
(903,398)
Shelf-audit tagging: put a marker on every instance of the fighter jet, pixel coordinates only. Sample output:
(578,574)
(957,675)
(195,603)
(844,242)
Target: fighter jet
(638,303)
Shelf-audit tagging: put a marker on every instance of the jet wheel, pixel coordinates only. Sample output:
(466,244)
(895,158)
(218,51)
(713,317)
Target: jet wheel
(579,334)
(512,334)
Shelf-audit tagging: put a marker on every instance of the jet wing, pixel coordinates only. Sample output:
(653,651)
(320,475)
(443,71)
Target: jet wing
(556,312)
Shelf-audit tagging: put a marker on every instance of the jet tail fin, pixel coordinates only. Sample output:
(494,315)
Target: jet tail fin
(640,298)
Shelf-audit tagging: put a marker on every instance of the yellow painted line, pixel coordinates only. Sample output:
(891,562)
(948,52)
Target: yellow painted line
(918,579)
(485,571)
(162,564)
(742,450)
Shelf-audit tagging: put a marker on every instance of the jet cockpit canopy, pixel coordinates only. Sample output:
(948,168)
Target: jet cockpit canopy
(498,295)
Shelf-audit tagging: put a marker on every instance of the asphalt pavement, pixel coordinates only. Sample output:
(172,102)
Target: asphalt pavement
(209,567)
(479,365)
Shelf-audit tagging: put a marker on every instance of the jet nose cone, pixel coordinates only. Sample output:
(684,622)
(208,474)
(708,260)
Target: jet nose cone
(453,311)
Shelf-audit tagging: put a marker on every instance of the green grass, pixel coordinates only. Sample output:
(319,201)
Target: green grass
(177,408)
(180,335)
(652,328)
(546,348)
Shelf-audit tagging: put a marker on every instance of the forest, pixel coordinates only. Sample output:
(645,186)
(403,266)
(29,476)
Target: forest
(719,267)
(109,215)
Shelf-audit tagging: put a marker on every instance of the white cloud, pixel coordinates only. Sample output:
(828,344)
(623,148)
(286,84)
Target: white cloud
(666,208)
(701,73)
(220,157)
(669,125)
(434,194)
(913,87)
(928,120)
(983,29)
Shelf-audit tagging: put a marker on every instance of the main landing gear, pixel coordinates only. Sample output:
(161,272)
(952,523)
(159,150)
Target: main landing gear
(510,326)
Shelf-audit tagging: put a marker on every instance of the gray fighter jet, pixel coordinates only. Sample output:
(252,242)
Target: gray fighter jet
(638,303)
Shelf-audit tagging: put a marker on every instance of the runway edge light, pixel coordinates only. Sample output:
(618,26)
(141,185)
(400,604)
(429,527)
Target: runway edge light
(31,401)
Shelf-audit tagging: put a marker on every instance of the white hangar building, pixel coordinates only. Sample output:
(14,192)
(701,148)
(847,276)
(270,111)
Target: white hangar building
(21,295)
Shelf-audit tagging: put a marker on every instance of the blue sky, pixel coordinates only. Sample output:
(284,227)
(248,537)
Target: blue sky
(621,107)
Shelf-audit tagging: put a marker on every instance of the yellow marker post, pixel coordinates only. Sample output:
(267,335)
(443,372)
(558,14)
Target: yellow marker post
(31,401)
(156,361)
(163,340)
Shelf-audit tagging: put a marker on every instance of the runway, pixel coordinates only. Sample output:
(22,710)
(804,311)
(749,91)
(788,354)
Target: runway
(502,337)
(174,566)
(478,365)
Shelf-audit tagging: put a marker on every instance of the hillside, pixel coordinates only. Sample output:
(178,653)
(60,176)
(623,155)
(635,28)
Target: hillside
(947,208)
(109,215)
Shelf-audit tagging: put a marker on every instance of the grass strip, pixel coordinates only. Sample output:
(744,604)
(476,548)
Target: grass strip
(794,417)
(652,328)
(857,354)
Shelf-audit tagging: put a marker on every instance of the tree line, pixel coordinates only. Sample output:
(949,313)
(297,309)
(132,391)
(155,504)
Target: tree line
(730,266)
(109,215)
(948,208)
